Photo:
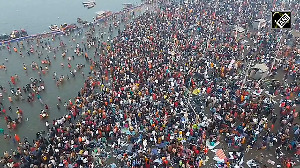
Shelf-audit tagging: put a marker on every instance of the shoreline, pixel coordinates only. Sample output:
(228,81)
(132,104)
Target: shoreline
(128,10)
(11,132)
(122,118)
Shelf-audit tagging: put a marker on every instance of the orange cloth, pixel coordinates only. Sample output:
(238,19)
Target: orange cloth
(242,98)
(243,140)
(17,138)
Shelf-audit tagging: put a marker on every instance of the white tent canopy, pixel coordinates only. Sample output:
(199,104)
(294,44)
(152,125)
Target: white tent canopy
(259,71)
(261,67)
(239,29)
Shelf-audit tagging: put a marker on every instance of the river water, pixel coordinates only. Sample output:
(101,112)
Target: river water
(35,16)
(31,15)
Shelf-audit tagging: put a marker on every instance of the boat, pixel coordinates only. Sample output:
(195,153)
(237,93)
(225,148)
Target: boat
(63,26)
(23,33)
(89,4)
(4,37)
(14,34)
(54,28)
(103,14)
(127,6)
(68,27)
(79,20)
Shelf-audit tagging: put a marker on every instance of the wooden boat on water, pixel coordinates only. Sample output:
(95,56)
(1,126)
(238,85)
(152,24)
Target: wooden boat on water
(89,4)
(127,6)
(23,33)
(54,28)
(103,14)
(64,27)
(4,37)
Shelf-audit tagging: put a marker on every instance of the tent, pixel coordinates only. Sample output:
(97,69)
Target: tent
(239,32)
(239,29)
(220,154)
(259,71)
(261,67)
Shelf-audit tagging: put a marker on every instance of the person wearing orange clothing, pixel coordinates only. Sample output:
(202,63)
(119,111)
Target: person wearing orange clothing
(12,79)
(17,138)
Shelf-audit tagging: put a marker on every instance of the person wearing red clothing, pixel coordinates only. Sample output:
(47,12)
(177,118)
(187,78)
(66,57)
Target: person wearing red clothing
(206,150)
(176,103)
(16,165)
(147,163)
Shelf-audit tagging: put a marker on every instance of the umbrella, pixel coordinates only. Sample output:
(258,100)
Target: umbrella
(159,161)
(171,79)
(196,91)
(220,153)
(162,145)
(154,151)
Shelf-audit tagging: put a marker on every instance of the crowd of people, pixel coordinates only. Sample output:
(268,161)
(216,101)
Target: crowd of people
(173,85)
